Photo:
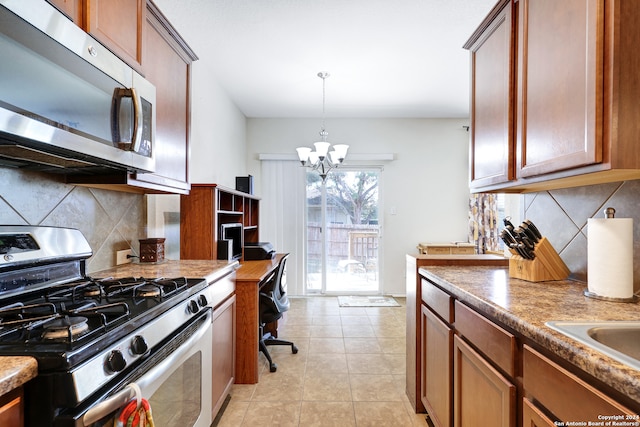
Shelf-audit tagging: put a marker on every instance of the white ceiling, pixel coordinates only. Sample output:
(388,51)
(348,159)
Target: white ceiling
(386,58)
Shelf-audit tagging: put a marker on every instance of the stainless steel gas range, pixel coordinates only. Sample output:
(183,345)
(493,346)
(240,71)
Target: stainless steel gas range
(101,342)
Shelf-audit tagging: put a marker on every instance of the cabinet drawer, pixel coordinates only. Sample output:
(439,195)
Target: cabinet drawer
(497,344)
(563,394)
(438,300)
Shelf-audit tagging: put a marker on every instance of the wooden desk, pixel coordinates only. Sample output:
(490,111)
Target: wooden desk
(248,279)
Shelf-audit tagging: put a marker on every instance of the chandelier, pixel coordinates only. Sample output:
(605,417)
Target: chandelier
(322,160)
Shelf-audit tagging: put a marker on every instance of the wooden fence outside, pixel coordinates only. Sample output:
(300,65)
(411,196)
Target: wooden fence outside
(344,242)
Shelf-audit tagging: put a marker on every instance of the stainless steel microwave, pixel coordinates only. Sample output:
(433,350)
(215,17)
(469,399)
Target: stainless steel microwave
(67,103)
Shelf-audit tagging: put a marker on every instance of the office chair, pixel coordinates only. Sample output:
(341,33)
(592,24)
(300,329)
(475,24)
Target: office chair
(273,304)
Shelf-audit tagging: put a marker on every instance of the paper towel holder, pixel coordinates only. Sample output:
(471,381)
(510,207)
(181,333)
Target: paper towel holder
(632,298)
(610,213)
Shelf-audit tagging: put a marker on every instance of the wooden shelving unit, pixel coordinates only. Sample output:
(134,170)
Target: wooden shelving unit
(205,208)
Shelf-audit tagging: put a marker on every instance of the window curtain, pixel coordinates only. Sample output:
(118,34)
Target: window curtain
(282,216)
(483,222)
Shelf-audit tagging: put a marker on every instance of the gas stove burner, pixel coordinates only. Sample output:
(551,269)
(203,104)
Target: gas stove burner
(66,327)
(92,291)
(148,291)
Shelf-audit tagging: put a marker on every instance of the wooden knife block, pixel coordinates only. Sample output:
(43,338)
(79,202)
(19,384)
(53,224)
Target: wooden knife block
(547,264)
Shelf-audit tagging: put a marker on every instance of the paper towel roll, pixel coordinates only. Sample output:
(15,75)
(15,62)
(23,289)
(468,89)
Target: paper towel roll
(610,257)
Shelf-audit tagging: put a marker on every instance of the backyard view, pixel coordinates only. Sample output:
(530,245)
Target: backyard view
(342,224)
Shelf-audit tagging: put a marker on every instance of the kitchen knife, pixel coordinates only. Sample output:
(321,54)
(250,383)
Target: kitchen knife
(527,244)
(512,242)
(533,228)
(529,233)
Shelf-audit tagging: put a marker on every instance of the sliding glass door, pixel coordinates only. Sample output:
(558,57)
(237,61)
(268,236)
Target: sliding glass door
(343,232)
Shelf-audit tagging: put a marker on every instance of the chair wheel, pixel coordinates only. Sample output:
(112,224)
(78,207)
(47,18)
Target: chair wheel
(273,367)
(294,349)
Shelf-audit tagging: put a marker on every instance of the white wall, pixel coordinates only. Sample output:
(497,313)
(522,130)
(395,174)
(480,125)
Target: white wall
(218,133)
(218,127)
(427,183)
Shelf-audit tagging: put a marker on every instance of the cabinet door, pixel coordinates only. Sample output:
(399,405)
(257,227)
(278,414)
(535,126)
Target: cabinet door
(533,417)
(492,88)
(12,409)
(437,340)
(223,369)
(118,24)
(560,85)
(168,68)
(481,395)
(71,8)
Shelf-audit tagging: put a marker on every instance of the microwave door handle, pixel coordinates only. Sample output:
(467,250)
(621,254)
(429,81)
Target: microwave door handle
(136,134)
(118,400)
(136,138)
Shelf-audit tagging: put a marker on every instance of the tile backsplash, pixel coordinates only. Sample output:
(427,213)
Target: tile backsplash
(110,220)
(561,216)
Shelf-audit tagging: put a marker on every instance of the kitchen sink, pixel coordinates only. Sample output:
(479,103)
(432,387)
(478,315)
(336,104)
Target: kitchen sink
(619,340)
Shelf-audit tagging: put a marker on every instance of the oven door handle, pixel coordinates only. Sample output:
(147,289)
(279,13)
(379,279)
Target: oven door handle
(118,400)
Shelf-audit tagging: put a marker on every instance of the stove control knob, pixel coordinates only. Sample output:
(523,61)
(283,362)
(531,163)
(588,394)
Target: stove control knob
(116,361)
(139,345)
(202,300)
(193,306)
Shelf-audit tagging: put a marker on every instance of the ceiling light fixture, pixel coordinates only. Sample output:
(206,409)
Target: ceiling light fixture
(322,160)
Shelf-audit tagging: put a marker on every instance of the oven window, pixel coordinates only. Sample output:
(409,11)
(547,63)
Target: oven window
(178,401)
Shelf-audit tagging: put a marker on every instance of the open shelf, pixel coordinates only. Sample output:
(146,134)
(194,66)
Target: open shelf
(205,208)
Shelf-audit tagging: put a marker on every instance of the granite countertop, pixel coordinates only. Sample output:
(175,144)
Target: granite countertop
(526,306)
(210,270)
(15,371)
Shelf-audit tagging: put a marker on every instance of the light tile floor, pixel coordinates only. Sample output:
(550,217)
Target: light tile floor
(349,371)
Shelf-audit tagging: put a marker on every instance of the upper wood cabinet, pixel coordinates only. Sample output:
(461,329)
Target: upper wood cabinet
(492,68)
(572,101)
(166,63)
(71,8)
(560,91)
(119,25)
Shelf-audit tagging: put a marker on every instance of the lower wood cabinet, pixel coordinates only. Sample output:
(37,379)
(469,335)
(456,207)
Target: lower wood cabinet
(563,395)
(12,409)
(481,394)
(533,417)
(476,371)
(224,352)
(436,369)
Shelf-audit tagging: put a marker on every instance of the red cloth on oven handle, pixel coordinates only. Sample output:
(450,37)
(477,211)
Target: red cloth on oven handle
(134,416)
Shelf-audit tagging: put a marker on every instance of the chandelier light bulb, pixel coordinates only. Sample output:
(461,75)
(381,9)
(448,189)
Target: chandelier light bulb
(322,148)
(303,154)
(333,157)
(313,157)
(341,151)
